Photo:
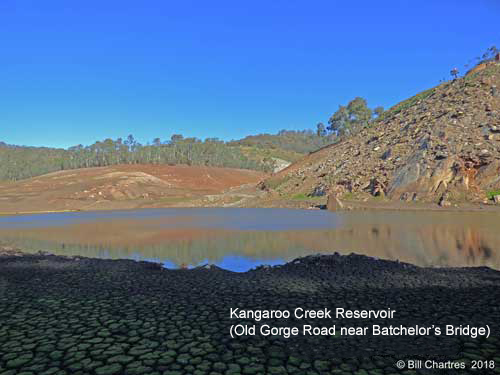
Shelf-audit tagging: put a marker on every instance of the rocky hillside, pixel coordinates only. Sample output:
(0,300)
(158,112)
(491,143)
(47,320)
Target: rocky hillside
(442,145)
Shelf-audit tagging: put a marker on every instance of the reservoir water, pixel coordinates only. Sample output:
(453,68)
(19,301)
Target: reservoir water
(239,239)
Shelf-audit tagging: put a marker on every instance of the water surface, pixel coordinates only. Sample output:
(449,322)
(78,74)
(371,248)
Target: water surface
(240,239)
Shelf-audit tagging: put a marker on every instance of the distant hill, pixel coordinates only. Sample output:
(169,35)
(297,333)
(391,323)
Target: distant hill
(442,145)
(265,153)
(298,142)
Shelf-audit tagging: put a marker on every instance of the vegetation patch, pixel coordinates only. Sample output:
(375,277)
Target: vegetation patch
(492,193)
(275,182)
(408,103)
(348,196)
(265,155)
(302,141)
(253,152)
(302,197)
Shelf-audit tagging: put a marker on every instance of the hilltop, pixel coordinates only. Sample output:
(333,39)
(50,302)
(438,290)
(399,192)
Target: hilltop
(440,146)
(291,141)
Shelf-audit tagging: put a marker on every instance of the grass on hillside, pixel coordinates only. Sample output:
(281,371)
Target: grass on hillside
(302,197)
(274,182)
(408,103)
(489,70)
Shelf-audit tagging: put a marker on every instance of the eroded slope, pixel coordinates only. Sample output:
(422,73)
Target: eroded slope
(121,186)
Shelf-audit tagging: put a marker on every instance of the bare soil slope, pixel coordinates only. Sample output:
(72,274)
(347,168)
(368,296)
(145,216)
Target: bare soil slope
(440,145)
(122,186)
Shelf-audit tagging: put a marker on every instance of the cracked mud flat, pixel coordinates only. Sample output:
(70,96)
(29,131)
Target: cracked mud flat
(61,315)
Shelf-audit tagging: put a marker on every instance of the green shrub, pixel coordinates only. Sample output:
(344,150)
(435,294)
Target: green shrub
(492,193)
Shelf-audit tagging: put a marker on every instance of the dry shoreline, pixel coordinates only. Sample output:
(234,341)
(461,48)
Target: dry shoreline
(291,204)
(90,316)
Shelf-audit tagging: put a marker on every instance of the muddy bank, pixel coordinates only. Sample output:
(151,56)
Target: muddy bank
(246,196)
(86,316)
(271,201)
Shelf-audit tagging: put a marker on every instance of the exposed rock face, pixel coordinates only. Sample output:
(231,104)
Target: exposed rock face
(444,140)
(280,164)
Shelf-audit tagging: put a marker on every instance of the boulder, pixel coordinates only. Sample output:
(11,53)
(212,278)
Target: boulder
(333,203)
(376,187)
(443,201)
(489,175)
(407,175)
(319,191)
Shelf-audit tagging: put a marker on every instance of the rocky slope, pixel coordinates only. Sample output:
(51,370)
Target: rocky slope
(442,145)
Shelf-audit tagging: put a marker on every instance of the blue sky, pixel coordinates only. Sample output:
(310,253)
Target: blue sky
(78,71)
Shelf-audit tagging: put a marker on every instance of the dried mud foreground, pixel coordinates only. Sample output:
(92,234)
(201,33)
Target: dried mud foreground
(63,315)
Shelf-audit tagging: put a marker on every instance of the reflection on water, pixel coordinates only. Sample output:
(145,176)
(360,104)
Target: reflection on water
(240,239)
(210,218)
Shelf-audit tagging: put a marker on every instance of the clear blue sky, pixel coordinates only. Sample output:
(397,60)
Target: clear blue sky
(78,71)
